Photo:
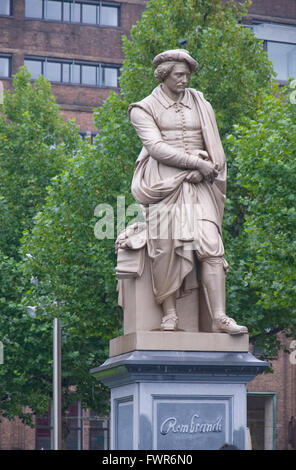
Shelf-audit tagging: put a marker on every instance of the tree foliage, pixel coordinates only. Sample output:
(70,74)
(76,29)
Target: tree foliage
(75,271)
(233,70)
(36,143)
(262,281)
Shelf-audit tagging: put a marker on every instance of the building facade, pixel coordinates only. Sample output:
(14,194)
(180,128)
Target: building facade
(77,45)
(274,22)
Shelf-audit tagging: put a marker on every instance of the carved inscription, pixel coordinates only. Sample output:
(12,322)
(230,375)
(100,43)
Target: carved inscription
(196,425)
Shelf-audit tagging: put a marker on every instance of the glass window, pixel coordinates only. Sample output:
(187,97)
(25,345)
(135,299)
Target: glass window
(5,7)
(66,73)
(89,14)
(76,12)
(4,67)
(66,11)
(53,10)
(54,71)
(43,431)
(98,433)
(74,426)
(283,58)
(75,73)
(89,75)
(109,16)
(33,8)
(34,67)
(110,76)
(280,40)
(44,428)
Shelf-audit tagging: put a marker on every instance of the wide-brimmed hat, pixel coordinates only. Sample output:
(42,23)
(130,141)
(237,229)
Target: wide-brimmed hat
(176,55)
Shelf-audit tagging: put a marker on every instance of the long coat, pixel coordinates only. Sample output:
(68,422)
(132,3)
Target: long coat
(172,135)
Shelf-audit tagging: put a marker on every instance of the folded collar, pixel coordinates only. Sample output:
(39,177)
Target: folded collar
(167,102)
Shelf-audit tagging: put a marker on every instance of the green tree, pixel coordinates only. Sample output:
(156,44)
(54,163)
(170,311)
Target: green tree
(35,145)
(262,280)
(233,70)
(75,272)
(76,275)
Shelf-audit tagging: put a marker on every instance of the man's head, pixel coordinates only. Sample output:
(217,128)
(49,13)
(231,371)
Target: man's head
(165,63)
(177,78)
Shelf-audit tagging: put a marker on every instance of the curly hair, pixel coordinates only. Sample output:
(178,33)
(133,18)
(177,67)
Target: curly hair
(164,69)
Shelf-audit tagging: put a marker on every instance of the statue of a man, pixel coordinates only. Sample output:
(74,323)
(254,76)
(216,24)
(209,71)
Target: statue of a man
(180,181)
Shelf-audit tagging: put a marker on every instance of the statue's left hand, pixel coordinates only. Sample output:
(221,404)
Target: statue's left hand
(194,177)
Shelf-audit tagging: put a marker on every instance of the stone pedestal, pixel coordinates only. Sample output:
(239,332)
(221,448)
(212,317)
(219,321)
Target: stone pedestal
(178,400)
(175,390)
(178,341)
(142,313)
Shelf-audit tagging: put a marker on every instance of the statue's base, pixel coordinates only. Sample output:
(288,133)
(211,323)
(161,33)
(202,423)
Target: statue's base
(178,341)
(178,400)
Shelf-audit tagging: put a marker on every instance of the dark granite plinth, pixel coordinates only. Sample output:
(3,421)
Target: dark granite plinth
(178,400)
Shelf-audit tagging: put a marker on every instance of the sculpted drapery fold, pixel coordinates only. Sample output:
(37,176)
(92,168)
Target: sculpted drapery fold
(180,182)
(170,133)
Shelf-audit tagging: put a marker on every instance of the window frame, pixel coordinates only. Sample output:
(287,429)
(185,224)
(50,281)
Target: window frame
(270,32)
(35,59)
(98,65)
(3,55)
(272,398)
(114,5)
(10,10)
(45,423)
(265,46)
(81,3)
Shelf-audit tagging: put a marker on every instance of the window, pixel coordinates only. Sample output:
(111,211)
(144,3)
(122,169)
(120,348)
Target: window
(89,74)
(98,433)
(44,429)
(80,73)
(88,135)
(74,426)
(74,11)
(5,66)
(261,419)
(5,7)
(34,9)
(89,14)
(66,73)
(283,57)
(34,67)
(53,10)
(53,71)
(109,16)
(44,432)
(280,44)
(110,77)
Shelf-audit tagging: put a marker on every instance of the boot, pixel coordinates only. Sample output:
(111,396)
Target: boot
(169,321)
(170,317)
(213,283)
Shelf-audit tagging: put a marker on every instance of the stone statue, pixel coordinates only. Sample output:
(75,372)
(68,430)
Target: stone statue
(180,182)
